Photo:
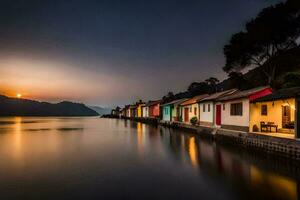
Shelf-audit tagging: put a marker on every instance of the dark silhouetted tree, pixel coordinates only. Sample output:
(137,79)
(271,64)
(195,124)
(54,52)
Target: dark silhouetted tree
(212,81)
(238,81)
(169,97)
(292,79)
(197,88)
(274,31)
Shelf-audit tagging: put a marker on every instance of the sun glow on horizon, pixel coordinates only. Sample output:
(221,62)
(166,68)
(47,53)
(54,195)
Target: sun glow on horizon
(19,95)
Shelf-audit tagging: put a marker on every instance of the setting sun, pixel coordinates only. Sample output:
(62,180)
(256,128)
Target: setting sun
(19,95)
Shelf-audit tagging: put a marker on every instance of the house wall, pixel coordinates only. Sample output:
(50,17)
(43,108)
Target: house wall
(133,112)
(175,113)
(145,112)
(206,117)
(191,111)
(128,114)
(139,111)
(154,110)
(166,113)
(236,122)
(274,112)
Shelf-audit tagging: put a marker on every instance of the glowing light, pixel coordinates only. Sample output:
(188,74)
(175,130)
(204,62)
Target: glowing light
(19,95)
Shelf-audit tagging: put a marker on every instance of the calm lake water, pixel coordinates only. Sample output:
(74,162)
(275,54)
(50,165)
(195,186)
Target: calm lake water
(93,158)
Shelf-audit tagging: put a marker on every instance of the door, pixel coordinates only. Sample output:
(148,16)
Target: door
(186,114)
(286,116)
(218,115)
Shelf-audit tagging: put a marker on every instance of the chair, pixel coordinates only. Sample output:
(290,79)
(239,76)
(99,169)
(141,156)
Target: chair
(263,125)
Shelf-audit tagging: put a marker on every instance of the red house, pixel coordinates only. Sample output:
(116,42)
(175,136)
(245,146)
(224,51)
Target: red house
(154,108)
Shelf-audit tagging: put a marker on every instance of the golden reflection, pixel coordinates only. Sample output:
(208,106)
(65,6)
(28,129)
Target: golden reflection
(140,137)
(281,186)
(193,153)
(17,137)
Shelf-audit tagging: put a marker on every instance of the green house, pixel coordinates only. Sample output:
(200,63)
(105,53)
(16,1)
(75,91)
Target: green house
(171,110)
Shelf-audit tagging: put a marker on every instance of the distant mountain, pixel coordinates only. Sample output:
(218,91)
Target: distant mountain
(100,110)
(25,107)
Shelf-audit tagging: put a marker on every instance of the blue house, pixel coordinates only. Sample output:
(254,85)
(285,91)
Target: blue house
(171,110)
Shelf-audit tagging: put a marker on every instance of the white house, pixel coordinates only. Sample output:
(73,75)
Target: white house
(235,108)
(190,108)
(209,110)
(145,111)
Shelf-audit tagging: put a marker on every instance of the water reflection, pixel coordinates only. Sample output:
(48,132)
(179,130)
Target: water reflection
(214,159)
(126,155)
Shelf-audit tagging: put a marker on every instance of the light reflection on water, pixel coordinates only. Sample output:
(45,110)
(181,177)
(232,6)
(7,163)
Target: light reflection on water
(50,158)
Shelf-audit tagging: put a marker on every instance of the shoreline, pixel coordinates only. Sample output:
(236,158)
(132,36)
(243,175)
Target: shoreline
(283,147)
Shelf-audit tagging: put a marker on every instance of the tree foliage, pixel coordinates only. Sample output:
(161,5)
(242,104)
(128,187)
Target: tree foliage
(274,31)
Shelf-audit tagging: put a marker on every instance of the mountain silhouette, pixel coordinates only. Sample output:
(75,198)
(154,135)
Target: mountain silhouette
(100,110)
(25,107)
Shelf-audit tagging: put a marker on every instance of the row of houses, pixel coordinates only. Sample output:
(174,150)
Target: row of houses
(256,110)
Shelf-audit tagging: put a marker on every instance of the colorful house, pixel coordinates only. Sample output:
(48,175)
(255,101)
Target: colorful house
(154,108)
(127,111)
(140,106)
(276,112)
(133,111)
(123,112)
(145,111)
(208,108)
(190,108)
(171,110)
(235,114)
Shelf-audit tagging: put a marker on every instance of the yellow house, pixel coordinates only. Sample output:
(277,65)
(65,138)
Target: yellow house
(276,112)
(140,109)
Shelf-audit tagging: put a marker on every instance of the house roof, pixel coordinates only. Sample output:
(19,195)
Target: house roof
(242,94)
(177,101)
(152,103)
(280,94)
(194,100)
(217,95)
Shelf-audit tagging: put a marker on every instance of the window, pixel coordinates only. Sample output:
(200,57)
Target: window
(190,109)
(195,111)
(208,108)
(203,107)
(264,110)
(236,109)
(223,106)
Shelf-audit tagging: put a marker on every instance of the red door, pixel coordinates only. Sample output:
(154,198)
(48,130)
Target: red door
(218,115)
(186,114)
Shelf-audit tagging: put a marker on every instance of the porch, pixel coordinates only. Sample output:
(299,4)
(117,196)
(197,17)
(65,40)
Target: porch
(274,118)
(288,135)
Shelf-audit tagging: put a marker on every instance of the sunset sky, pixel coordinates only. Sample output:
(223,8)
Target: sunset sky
(114,52)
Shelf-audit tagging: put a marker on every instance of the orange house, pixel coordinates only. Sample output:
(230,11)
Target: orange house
(154,108)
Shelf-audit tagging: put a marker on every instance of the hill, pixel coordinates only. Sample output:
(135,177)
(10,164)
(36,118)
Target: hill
(100,110)
(26,107)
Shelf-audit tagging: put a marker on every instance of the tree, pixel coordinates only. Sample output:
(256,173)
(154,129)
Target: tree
(197,88)
(238,81)
(274,31)
(292,79)
(212,81)
(169,97)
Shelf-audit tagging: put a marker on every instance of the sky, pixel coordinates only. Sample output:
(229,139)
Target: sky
(114,52)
